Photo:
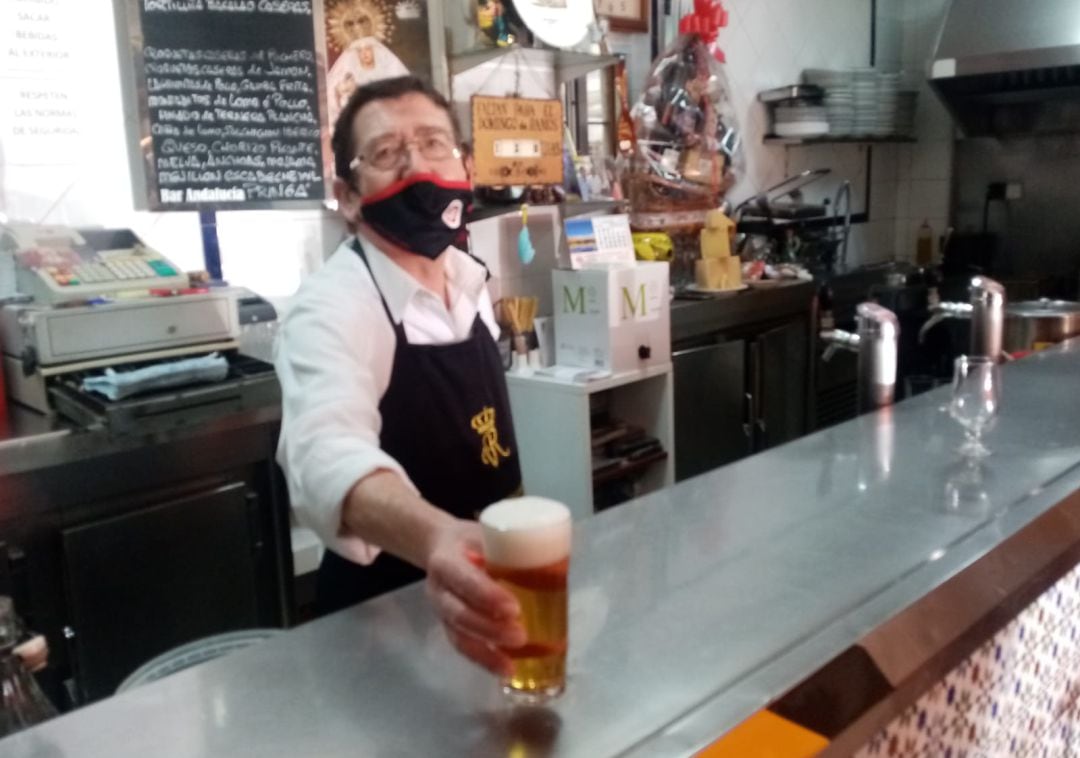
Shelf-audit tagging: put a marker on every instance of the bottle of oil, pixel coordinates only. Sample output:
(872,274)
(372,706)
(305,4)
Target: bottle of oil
(924,245)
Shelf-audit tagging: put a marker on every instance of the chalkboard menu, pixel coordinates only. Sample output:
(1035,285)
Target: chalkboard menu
(227,96)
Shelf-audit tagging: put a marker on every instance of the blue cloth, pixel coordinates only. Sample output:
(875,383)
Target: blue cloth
(117,385)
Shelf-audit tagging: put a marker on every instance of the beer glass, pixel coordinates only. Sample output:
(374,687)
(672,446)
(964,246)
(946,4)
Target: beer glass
(527,550)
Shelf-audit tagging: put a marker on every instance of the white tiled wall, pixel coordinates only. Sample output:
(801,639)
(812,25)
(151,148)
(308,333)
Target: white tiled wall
(767,44)
(495,241)
(925,168)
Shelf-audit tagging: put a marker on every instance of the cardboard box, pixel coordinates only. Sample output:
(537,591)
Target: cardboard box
(616,318)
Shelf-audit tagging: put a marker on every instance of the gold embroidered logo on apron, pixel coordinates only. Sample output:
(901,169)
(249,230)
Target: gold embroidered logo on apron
(492,452)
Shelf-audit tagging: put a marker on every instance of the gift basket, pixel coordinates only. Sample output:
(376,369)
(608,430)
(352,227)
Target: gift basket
(687,139)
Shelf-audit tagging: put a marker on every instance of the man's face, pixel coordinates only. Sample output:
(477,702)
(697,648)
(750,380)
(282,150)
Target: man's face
(410,117)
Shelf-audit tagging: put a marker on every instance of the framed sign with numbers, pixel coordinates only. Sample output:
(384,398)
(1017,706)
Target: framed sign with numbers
(516,141)
(625,15)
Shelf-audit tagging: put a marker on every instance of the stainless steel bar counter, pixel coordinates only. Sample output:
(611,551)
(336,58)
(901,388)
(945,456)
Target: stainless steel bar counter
(30,441)
(691,609)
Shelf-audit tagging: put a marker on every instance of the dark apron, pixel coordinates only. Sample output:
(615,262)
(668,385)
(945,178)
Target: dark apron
(446,420)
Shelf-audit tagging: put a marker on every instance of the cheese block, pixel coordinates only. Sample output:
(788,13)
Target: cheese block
(717,236)
(718,273)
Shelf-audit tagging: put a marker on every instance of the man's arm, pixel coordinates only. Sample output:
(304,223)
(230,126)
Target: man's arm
(476,612)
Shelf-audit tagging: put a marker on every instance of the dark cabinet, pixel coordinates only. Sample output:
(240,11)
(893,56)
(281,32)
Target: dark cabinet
(141,583)
(711,407)
(743,377)
(118,549)
(779,377)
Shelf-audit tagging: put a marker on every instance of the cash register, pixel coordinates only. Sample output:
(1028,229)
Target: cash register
(93,301)
(55,264)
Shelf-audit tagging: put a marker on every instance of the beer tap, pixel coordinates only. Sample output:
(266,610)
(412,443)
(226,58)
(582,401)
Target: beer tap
(985,309)
(875,341)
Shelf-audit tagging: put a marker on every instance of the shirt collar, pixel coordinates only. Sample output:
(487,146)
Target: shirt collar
(465,276)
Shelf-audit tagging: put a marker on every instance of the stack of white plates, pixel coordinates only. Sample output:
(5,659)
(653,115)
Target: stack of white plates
(799,119)
(905,113)
(864,89)
(888,102)
(839,100)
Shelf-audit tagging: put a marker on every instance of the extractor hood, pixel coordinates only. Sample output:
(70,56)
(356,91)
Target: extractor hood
(1006,67)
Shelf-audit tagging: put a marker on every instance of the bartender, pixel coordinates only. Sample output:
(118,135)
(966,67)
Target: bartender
(396,425)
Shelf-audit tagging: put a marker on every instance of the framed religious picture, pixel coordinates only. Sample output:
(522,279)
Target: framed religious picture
(366,40)
(625,15)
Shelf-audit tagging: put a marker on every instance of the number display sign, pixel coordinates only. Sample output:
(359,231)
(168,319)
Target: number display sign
(517,141)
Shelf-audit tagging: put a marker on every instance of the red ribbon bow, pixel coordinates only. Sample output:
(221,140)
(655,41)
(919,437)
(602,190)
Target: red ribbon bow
(706,20)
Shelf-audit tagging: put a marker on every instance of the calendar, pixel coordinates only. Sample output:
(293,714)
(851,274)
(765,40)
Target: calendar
(600,240)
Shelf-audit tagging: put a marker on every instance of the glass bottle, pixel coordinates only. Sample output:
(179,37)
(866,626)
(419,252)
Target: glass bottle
(924,245)
(22,703)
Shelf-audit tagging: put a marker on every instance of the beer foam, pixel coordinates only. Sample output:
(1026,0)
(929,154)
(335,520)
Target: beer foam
(526,532)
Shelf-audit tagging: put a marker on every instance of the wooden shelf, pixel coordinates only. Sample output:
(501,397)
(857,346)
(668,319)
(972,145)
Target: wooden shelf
(553,428)
(829,139)
(591,387)
(567,210)
(567,64)
(628,468)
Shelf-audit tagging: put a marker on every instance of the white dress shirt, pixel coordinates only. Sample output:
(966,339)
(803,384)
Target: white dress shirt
(333,359)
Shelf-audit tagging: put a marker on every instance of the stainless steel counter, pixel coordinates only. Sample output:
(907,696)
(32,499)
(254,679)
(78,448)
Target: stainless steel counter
(30,440)
(690,610)
(697,317)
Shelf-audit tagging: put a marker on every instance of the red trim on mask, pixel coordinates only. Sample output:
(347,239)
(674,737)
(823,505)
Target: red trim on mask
(401,184)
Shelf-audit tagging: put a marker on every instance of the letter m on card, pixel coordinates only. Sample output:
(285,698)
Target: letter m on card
(633,304)
(572,304)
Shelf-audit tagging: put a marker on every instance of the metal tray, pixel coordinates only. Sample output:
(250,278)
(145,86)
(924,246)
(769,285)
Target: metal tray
(251,383)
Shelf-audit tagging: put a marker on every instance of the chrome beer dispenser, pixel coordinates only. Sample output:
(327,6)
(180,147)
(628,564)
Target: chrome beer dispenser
(875,341)
(985,309)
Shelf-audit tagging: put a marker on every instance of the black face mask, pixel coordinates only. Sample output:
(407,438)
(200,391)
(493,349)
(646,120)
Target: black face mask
(423,213)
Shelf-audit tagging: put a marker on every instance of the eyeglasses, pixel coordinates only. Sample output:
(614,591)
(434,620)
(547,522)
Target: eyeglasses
(390,152)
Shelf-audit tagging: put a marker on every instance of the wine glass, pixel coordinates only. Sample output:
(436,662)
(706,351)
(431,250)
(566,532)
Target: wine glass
(976,398)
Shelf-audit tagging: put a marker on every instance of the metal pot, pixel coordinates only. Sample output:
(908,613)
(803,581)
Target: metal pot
(1033,324)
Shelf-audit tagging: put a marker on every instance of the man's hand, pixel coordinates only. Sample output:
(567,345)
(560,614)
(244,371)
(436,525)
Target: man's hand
(477,613)
(34,653)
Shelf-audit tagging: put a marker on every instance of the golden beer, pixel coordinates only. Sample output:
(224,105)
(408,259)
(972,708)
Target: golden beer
(527,550)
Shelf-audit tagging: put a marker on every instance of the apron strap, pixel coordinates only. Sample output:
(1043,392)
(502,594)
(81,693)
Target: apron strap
(487,271)
(400,328)
(359,250)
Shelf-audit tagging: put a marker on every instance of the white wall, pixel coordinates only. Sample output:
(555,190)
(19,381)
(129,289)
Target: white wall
(769,42)
(925,168)
(84,179)
(767,45)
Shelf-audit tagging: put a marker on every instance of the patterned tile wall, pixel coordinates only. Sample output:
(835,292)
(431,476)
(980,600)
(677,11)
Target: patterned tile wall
(1017,695)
